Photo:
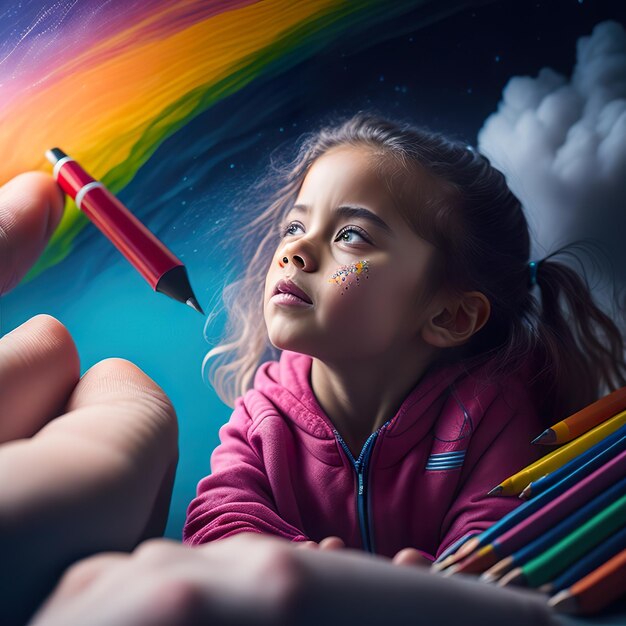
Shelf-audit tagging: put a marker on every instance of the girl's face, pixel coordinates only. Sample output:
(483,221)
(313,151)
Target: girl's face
(363,270)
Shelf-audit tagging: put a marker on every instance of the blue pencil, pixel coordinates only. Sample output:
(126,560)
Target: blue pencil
(615,442)
(522,512)
(454,547)
(536,547)
(550,537)
(592,560)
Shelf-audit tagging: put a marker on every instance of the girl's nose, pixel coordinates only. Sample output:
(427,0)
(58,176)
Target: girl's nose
(300,256)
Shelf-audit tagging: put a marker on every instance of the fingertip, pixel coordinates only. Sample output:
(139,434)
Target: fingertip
(59,336)
(31,208)
(35,186)
(114,379)
(126,374)
(39,355)
(411,557)
(332,543)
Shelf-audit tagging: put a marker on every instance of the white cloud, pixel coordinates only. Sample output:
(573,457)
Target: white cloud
(561,142)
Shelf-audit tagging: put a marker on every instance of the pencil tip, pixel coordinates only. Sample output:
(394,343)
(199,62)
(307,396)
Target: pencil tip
(450,570)
(193,303)
(546,437)
(563,601)
(495,491)
(513,577)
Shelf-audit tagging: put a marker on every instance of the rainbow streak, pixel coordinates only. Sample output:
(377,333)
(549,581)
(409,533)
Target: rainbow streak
(109,83)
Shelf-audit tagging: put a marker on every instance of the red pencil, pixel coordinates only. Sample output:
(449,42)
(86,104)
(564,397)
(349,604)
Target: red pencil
(163,271)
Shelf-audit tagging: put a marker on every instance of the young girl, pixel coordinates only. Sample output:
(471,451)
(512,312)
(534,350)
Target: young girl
(416,364)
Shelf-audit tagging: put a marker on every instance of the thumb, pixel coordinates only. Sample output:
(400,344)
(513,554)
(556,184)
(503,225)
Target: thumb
(31,207)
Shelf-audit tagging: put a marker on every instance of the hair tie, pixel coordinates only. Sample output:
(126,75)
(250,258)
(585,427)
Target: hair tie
(533,266)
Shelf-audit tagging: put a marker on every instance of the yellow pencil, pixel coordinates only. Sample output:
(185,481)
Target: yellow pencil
(515,484)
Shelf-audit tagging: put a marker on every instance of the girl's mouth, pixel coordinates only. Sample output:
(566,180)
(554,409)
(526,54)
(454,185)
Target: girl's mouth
(288,287)
(289,299)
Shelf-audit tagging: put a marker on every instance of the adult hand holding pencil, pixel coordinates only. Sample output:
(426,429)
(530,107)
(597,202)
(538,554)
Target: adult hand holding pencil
(162,270)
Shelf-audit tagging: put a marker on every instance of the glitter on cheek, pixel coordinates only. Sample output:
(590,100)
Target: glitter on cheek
(348,275)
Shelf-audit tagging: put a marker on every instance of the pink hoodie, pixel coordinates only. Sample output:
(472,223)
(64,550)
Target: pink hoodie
(420,481)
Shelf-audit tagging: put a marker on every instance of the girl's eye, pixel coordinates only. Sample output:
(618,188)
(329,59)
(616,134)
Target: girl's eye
(288,230)
(345,233)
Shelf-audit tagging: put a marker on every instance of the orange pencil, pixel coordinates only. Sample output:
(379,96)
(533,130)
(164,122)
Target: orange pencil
(579,423)
(596,590)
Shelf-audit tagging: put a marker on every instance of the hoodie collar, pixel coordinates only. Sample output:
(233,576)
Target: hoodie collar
(287,384)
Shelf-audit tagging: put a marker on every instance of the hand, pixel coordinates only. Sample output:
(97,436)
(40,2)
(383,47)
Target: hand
(245,579)
(328,543)
(407,556)
(255,579)
(411,557)
(86,464)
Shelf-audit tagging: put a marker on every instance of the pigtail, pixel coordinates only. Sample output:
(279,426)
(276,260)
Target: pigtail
(580,349)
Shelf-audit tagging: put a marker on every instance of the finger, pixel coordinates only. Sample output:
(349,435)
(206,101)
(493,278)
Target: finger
(307,545)
(147,417)
(31,207)
(332,543)
(83,573)
(74,589)
(88,481)
(126,428)
(411,557)
(39,368)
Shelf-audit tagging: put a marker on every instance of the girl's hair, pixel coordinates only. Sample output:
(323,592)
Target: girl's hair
(479,229)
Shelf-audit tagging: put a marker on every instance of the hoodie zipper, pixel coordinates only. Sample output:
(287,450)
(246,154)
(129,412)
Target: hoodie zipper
(360,467)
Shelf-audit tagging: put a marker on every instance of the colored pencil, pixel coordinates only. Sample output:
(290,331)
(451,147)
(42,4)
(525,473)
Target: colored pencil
(453,548)
(502,567)
(605,476)
(596,590)
(551,462)
(585,419)
(535,547)
(477,562)
(468,547)
(555,560)
(592,560)
(545,517)
(592,458)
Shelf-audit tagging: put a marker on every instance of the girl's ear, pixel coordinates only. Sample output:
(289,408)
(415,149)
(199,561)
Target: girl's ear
(457,321)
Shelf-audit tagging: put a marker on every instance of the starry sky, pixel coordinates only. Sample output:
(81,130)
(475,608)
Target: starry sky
(450,75)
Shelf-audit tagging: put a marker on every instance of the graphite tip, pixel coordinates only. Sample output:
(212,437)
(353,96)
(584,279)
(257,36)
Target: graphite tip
(55,154)
(193,303)
(547,437)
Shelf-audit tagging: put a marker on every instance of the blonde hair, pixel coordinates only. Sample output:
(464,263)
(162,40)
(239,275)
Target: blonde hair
(479,229)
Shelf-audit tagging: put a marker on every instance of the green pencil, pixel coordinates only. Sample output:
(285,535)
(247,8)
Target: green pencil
(547,565)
